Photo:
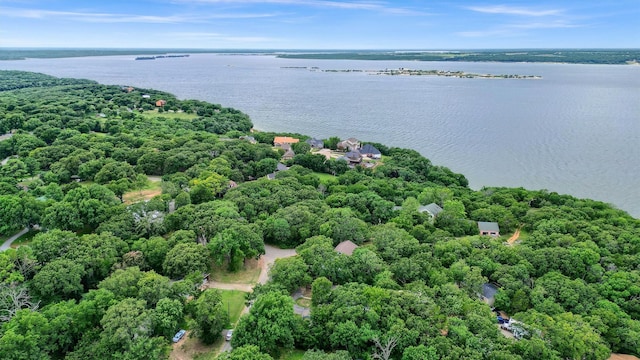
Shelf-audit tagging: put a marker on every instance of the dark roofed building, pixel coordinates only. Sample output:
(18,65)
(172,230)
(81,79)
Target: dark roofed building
(353,157)
(346,247)
(489,293)
(315,143)
(433,209)
(279,167)
(370,151)
(489,228)
(288,155)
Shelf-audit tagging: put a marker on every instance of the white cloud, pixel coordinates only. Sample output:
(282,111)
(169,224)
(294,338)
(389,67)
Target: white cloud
(96,17)
(349,5)
(544,25)
(510,10)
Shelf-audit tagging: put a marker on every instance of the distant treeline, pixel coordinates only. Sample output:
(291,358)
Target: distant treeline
(556,55)
(590,56)
(21,54)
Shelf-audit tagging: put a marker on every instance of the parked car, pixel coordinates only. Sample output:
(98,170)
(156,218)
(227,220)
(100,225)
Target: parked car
(179,335)
(229,334)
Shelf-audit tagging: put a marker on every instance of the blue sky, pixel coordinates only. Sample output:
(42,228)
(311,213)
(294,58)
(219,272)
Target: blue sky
(319,24)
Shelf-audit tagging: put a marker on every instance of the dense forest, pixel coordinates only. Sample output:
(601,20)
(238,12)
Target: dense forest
(103,276)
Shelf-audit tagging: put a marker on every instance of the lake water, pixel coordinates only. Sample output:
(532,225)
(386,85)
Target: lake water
(574,131)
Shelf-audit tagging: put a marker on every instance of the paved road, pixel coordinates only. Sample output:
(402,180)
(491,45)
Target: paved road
(7,244)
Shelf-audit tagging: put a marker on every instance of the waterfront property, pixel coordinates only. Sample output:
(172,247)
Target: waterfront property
(349,144)
(280,141)
(370,151)
(315,143)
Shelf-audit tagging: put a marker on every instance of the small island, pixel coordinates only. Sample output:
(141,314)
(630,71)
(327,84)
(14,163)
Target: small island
(161,57)
(417,72)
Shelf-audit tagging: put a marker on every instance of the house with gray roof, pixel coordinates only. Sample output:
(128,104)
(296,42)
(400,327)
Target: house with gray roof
(288,155)
(315,143)
(279,167)
(489,293)
(369,150)
(489,228)
(432,209)
(353,157)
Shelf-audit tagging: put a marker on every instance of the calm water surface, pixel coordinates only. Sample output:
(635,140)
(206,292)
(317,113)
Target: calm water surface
(574,131)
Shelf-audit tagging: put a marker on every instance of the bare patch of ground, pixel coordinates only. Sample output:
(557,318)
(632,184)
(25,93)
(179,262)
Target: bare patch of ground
(623,357)
(329,154)
(514,237)
(187,348)
(140,195)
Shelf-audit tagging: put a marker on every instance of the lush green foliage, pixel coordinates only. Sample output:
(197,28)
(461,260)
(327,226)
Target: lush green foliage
(95,283)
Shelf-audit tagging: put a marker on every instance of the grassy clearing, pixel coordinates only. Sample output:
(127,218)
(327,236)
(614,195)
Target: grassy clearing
(326,178)
(294,354)
(233,301)
(152,189)
(193,348)
(303,302)
(169,115)
(24,239)
(524,235)
(248,275)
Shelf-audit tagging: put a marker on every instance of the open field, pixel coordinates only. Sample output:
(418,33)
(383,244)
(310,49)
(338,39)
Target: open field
(192,348)
(150,191)
(294,354)
(248,275)
(326,178)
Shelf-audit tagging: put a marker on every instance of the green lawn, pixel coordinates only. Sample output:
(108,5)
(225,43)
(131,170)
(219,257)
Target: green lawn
(233,300)
(303,302)
(294,354)
(169,115)
(326,178)
(24,239)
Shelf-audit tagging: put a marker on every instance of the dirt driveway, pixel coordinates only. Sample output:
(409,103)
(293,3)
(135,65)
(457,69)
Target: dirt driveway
(186,349)
(271,255)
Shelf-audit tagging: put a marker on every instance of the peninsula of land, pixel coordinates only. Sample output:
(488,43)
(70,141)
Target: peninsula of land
(417,72)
